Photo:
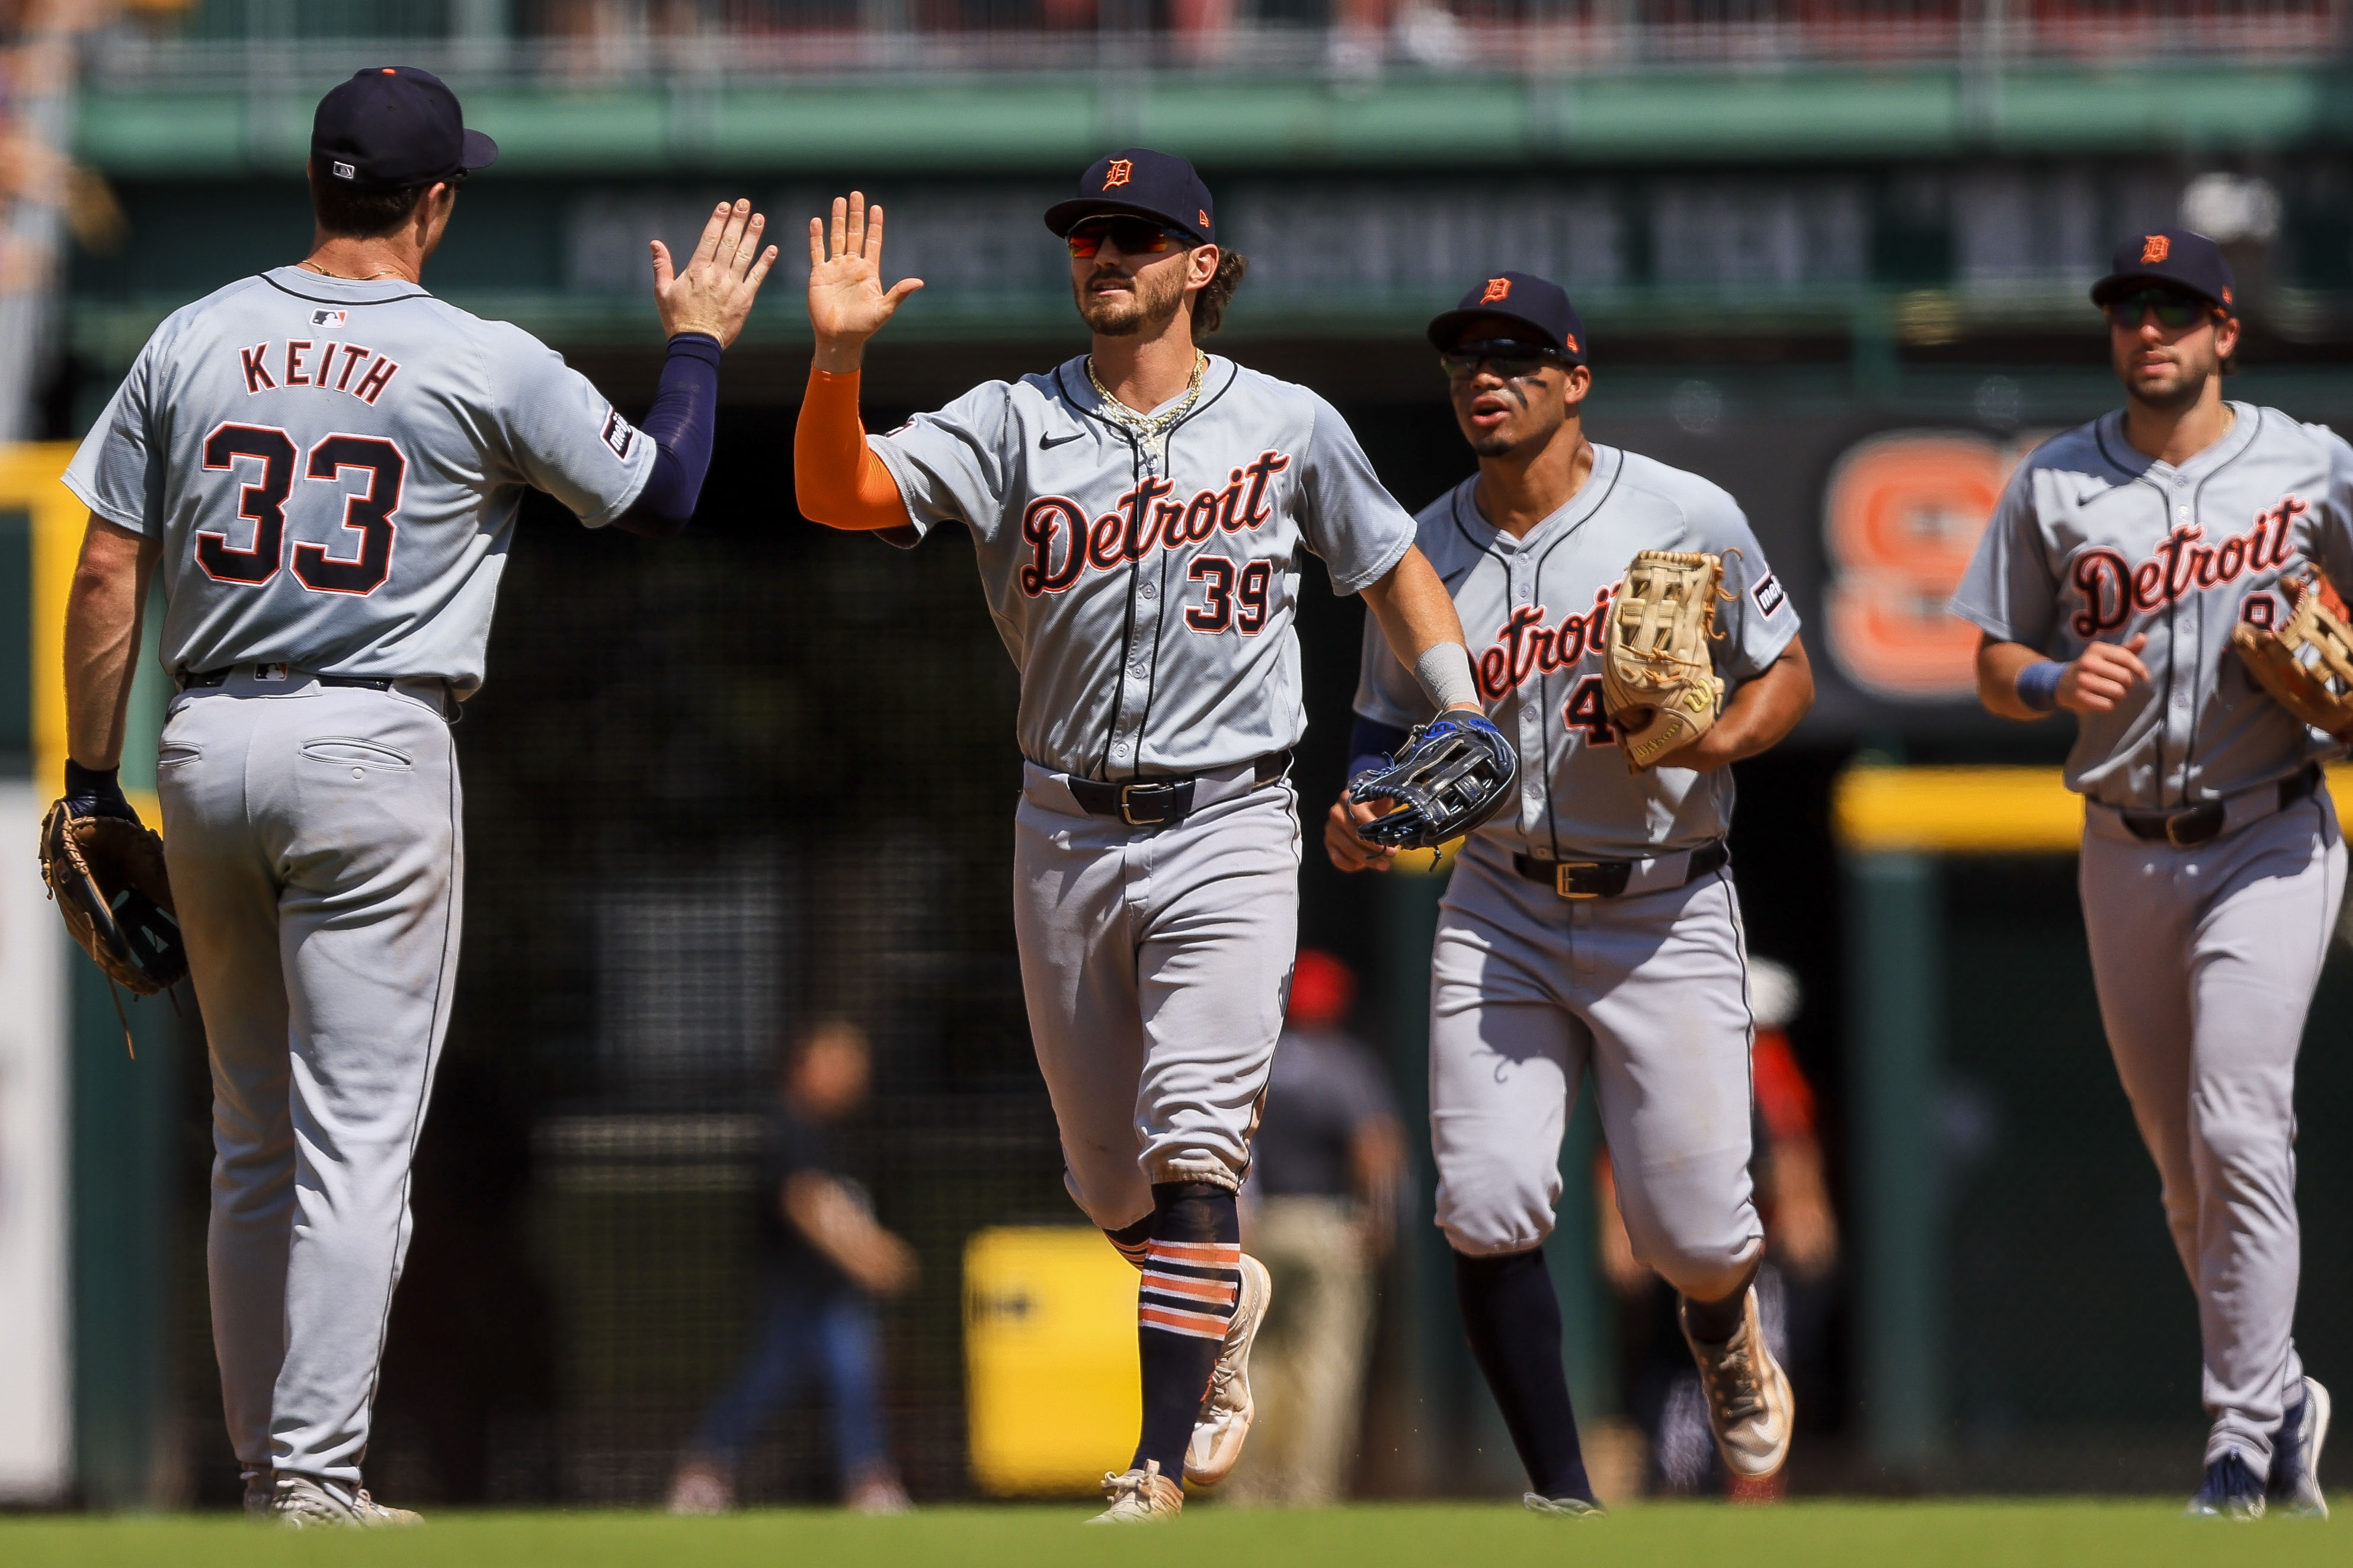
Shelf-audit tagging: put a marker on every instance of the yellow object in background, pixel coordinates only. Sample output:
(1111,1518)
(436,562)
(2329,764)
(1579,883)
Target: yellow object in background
(1053,1395)
(1982,810)
(29,474)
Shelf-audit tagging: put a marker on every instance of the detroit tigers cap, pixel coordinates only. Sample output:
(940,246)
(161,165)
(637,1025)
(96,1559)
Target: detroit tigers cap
(2175,255)
(1147,183)
(1523,299)
(393,127)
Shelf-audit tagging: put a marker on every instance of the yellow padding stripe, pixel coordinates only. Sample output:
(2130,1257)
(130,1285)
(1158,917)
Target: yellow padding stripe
(1974,810)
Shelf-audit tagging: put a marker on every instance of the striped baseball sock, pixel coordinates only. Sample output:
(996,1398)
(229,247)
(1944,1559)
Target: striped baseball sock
(1130,1242)
(1192,1279)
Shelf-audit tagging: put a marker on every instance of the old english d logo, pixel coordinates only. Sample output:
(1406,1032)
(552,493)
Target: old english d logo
(2155,249)
(1497,289)
(1121,168)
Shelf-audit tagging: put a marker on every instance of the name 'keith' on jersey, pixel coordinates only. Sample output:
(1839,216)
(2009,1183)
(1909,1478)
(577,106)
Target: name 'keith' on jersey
(332,468)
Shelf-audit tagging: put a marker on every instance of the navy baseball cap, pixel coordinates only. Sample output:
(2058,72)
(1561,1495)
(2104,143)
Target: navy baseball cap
(2174,256)
(1139,181)
(392,128)
(1524,300)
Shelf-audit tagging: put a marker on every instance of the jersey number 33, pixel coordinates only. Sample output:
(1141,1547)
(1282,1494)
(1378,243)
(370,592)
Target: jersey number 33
(263,458)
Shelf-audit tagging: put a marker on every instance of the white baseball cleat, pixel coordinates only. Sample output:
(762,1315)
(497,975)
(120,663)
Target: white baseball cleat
(1750,1405)
(1565,1506)
(1140,1497)
(1226,1414)
(301,1503)
(2294,1490)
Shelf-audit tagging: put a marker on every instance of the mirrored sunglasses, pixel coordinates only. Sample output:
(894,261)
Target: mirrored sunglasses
(1131,236)
(2173,308)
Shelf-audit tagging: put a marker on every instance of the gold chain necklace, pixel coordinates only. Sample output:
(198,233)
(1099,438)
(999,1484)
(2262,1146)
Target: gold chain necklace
(1152,430)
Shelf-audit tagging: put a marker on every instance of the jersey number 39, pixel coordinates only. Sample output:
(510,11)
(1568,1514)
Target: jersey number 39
(262,501)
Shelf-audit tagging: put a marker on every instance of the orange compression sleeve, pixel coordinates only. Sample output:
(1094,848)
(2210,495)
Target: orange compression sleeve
(836,479)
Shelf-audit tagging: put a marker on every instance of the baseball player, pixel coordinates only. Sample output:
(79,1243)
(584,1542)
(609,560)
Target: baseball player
(1141,516)
(2108,582)
(1596,926)
(325,462)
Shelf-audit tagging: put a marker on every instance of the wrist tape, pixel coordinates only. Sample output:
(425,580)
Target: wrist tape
(2038,685)
(1444,671)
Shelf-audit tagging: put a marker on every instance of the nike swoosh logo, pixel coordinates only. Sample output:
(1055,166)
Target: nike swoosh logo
(1048,443)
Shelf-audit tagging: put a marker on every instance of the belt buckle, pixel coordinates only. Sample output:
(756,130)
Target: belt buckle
(1564,879)
(2176,820)
(1127,805)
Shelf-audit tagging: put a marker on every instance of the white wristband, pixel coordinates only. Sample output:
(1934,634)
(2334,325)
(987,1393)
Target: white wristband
(1444,671)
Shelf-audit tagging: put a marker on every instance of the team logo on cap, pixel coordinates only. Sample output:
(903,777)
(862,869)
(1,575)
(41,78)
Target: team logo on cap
(2226,293)
(1497,289)
(1121,168)
(1568,342)
(1204,217)
(2155,249)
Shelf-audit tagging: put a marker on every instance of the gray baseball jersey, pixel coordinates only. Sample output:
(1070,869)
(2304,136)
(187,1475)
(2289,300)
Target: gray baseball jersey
(1645,991)
(2095,543)
(1534,610)
(333,467)
(1147,600)
(2204,957)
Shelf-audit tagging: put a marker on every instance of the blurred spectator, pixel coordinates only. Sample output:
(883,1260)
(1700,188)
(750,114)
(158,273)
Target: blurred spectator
(824,1261)
(1320,1211)
(1801,1244)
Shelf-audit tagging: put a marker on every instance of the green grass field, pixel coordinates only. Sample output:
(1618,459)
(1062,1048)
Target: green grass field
(1795,1535)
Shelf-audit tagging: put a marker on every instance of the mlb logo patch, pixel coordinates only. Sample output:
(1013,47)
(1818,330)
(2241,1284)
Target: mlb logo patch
(270,672)
(1769,594)
(345,171)
(618,434)
(330,320)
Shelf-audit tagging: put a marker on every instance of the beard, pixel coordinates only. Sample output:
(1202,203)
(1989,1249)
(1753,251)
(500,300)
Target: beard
(2192,373)
(1153,304)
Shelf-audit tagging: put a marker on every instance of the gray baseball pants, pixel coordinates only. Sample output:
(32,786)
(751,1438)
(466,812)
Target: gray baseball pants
(1155,962)
(1648,990)
(313,839)
(2205,960)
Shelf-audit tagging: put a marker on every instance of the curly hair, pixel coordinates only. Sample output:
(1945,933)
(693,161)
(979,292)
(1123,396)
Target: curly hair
(1209,304)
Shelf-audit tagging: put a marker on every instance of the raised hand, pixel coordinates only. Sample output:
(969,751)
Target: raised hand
(716,291)
(846,301)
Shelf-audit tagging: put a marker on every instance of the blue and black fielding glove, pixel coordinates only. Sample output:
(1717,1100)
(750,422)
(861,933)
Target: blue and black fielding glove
(105,868)
(1450,776)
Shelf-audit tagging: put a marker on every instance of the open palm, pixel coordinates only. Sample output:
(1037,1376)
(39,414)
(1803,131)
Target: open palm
(846,301)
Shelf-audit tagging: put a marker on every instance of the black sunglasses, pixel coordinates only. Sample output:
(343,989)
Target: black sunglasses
(2173,308)
(1511,360)
(1133,236)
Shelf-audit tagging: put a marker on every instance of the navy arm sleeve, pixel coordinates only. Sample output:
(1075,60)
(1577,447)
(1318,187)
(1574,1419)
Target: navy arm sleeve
(680,426)
(1371,744)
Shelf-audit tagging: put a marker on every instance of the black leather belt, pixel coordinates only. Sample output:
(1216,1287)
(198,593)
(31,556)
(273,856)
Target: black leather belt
(1159,802)
(1608,879)
(2186,829)
(212,677)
